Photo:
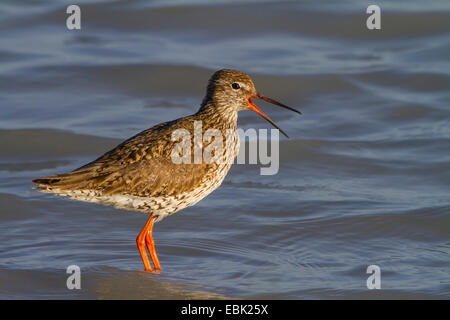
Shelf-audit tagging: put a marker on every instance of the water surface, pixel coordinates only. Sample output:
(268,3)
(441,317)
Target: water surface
(364,179)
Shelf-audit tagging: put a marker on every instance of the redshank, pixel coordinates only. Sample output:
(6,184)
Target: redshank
(140,174)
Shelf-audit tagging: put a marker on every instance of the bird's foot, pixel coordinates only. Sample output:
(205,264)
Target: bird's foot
(155,271)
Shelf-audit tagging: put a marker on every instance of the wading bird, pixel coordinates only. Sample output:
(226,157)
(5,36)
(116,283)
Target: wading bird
(140,174)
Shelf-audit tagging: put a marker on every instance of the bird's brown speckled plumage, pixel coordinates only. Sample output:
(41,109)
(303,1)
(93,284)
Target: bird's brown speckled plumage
(140,175)
(142,166)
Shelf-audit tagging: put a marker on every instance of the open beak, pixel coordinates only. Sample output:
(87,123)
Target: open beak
(253,107)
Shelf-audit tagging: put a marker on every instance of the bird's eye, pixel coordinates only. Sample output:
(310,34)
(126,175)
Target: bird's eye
(235,86)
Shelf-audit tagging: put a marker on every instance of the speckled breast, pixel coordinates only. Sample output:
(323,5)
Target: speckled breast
(211,180)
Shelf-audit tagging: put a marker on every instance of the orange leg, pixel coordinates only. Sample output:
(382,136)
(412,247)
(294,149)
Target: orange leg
(145,238)
(151,247)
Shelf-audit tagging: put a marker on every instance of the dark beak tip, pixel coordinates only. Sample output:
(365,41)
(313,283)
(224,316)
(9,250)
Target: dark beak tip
(272,101)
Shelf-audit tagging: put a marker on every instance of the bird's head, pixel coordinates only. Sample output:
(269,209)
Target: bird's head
(232,90)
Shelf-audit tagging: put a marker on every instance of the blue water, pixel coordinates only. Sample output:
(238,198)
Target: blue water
(364,179)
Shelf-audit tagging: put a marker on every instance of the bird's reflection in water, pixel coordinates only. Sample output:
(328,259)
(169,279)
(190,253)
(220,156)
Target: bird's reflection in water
(136,285)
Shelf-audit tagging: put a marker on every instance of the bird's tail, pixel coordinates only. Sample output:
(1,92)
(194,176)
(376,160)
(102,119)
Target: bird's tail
(77,179)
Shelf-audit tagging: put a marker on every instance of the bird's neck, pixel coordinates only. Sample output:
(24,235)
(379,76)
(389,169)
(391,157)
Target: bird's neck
(218,116)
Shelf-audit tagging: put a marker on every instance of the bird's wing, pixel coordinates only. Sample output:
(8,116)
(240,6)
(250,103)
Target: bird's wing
(147,178)
(140,166)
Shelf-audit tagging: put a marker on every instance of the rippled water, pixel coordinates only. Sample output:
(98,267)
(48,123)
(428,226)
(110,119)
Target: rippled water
(364,179)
